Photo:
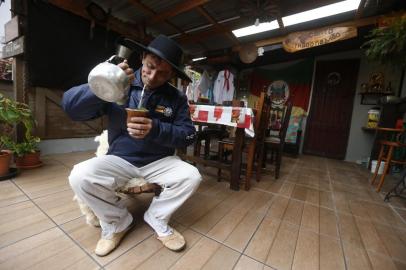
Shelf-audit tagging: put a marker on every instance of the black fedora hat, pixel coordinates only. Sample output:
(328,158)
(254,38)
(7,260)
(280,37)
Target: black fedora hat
(167,49)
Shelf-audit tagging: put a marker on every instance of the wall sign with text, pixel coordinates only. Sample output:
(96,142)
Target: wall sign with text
(309,39)
(14,48)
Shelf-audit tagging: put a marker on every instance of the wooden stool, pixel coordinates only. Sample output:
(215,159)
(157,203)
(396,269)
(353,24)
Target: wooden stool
(386,154)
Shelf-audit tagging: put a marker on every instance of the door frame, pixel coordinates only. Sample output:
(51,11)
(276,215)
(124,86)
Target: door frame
(312,93)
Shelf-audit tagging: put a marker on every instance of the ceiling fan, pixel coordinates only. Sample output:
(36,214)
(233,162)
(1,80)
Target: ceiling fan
(259,10)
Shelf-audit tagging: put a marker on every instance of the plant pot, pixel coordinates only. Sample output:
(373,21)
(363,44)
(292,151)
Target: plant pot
(28,161)
(5,157)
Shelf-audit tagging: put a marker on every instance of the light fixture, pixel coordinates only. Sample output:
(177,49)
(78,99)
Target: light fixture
(253,29)
(199,58)
(321,12)
(309,15)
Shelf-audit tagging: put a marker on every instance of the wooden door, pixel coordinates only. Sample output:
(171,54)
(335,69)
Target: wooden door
(328,125)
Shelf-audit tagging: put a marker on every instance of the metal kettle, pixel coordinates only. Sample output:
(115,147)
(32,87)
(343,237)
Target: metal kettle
(108,81)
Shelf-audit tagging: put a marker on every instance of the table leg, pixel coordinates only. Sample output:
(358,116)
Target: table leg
(236,159)
(398,190)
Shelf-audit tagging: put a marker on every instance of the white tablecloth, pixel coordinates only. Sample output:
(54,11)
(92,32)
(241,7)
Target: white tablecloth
(240,117)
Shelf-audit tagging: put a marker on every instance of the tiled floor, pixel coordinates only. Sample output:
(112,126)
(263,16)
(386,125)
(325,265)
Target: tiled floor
(321,214)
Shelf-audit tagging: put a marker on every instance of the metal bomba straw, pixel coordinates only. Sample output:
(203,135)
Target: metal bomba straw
(142,95)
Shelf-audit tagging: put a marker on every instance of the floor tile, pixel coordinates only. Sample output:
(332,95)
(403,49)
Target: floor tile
(247,263)
(320,214)
(60,206)
(51,248)
(331,255)
(163,258)
(241,235)
(260,244)
(307,251)
(10,194)
(328,222)
(38,186)
(198,255)
(87,236)
(356,258)
(21,220)
(283,248)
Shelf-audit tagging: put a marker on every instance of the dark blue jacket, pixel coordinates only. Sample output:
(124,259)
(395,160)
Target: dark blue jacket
(168,109)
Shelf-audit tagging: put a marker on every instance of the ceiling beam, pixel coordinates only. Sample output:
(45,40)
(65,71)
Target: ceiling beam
(227,32)
(143,7)
(79,8)
(213,30)
(280,22)
(209,31)
(179,8)
(199,35)
(151,12)
(360,9)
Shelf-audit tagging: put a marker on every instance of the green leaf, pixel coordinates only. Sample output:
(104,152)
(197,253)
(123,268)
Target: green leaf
(387,45)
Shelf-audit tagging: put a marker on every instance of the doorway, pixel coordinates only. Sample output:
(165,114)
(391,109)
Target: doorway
(329,121)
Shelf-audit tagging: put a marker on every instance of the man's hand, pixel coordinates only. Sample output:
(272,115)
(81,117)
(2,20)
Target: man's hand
(139,127)
(129,71)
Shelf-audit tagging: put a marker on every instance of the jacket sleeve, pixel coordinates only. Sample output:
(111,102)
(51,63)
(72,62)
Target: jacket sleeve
(81,104)
(180,133)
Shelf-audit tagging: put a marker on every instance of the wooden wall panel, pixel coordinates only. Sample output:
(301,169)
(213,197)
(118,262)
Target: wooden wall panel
(53,123)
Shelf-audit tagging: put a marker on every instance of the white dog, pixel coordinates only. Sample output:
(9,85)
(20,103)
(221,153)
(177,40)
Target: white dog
(102,149)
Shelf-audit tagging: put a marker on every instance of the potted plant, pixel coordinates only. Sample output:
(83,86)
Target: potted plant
(26,153)
(13,113)
(387,43)
(8,119)
(5,158)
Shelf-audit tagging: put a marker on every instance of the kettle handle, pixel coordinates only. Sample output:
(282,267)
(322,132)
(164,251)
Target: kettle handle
(115,59)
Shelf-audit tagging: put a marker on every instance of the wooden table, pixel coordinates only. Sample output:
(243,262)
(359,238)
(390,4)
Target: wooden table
(239,117)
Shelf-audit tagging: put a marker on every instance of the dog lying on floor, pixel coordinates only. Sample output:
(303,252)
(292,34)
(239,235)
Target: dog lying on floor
(134,186)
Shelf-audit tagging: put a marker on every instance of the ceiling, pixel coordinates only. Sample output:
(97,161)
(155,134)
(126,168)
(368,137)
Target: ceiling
(203,27)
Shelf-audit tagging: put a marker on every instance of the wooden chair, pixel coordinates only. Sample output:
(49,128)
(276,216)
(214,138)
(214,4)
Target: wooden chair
(207,135)
(393,140)
(251,145)
(275,144)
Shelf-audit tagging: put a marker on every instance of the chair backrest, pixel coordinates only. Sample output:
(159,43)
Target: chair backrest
(234,103)
(280,122)
(262,115)
(285,121)
(237,103)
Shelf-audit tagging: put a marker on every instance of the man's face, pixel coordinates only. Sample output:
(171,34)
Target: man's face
(155,71)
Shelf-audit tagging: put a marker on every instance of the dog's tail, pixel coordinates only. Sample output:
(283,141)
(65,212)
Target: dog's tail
(91,218)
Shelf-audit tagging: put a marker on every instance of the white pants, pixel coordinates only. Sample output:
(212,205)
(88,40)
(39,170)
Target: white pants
(95,180)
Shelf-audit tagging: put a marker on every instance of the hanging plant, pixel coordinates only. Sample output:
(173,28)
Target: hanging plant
(387,45)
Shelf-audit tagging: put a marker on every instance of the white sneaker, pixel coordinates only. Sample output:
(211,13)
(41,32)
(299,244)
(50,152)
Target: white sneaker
(174,241)
(106,245)
(169,237)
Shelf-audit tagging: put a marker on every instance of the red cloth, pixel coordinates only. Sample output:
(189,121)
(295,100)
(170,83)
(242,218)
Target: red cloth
(257,84)
(298,93)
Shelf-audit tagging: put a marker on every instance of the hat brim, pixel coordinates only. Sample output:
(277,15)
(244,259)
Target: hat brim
(141,48)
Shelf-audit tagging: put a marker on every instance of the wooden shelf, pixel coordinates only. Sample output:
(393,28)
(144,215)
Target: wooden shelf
(368,129)
(372,97)
(376,93)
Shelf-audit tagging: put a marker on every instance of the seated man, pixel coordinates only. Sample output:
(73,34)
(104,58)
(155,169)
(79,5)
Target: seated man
(144,147)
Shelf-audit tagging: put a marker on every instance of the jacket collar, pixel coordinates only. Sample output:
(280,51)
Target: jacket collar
(137,81)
